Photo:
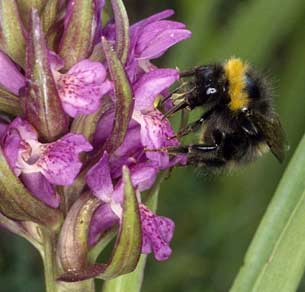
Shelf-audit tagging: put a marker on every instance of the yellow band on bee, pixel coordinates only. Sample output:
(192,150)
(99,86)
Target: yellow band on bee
(235,71)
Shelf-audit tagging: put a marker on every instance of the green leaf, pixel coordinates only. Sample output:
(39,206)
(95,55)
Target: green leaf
(275,260)
(133,281)
(12,39)
(25,7)
(124,98)
(73,239)
(50,14)
(41,103)
(17,203)
(121,29)
(76,43)
(128,244)
(129,282)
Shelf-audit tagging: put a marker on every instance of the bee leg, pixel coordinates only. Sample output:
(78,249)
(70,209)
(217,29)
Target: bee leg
(192,127)
(195,125)
(200,155)
(191,149)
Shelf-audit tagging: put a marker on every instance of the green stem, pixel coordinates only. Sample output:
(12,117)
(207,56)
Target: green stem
(51,269)
(83,286)
(49,259)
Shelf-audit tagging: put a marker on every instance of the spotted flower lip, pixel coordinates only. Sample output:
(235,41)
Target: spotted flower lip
(157,233)
(82,87)
(58,161)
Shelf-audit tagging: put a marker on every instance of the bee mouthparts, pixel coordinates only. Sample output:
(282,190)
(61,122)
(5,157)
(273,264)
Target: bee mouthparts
(175,108)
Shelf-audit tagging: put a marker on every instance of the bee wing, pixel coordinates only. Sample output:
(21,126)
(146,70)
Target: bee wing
(274,134)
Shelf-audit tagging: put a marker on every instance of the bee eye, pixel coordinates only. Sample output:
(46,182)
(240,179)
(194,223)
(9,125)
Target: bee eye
(211,90)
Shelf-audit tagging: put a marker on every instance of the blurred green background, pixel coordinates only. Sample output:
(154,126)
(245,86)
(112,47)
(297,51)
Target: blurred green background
(216,217)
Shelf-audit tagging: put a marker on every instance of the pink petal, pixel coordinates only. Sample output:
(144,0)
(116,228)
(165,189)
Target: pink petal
(103,128)
(10,77)
(11,144)
(151,85)
(82,87)
(132,141)
(162,42)
(102,220)
(129,153)
(137,28)
(38,185)
(156,133)
(156,234)
(154,18)
(59,161)
(56,62)
(143,175)
(3,128)
(152,30)
(25,129)
(15,142)
(99,179)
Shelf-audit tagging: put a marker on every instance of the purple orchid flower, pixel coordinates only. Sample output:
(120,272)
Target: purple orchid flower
(82,87)
(147,130)
(10,76)
(156,132)
(153,132)
(151,38)
(82,114)
(41,164)
(58,161)
(157,231)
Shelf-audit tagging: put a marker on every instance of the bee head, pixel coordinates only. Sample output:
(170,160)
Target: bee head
(211,86)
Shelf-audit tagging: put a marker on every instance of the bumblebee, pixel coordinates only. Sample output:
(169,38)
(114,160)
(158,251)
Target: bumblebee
(239,123)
